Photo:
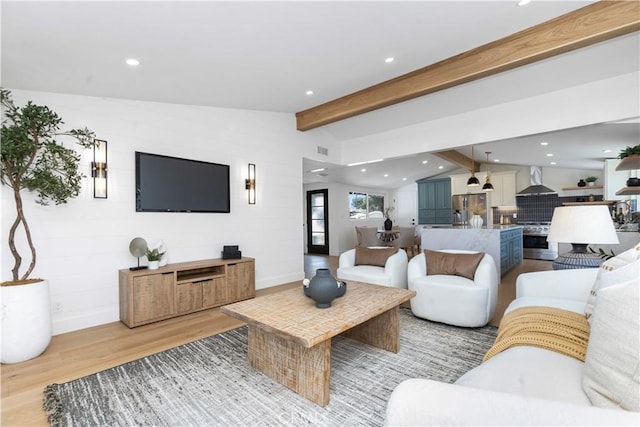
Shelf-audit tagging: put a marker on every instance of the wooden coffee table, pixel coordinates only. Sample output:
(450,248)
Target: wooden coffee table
(289,339)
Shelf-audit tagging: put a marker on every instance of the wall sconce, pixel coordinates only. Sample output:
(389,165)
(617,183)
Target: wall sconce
(250,184)
(99,169)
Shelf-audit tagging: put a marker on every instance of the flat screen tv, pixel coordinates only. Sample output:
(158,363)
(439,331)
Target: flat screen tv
(172,184)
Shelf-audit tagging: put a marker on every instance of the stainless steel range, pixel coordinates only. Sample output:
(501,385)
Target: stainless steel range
(534,242)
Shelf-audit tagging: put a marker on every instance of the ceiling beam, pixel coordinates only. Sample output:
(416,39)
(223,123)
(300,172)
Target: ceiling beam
(592,24)
(459,159)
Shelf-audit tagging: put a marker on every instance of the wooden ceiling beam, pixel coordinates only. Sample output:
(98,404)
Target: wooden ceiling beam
(457,158)
(592,24)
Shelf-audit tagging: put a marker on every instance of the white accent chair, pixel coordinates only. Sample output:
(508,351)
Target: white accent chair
(394,272)
(454,300)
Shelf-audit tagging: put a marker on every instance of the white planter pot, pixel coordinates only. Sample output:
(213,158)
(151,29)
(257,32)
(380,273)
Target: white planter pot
(26,321)
(476,221)
(153,265)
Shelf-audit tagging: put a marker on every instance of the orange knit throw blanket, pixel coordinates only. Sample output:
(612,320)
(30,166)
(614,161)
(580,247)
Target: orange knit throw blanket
(555,329)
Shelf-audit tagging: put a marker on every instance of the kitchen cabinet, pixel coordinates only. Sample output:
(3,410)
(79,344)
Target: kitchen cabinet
(510,249)
(504,189)
(434,201)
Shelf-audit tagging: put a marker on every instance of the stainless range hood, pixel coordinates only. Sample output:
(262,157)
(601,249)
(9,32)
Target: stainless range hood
(536,188)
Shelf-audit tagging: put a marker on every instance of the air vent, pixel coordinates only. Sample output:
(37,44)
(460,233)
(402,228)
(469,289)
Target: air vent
(322,150)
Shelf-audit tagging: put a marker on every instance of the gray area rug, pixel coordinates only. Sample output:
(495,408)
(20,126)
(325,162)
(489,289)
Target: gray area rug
(210,383)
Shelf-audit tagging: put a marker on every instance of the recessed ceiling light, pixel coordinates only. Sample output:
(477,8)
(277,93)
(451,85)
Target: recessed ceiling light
(363,170)
(440,167)
(132,62)
(318,170)
(524,2)
(386,175)
(389,60)
(424,162)
(404,179)
(552,163)
(496,160)
(549,154)
(309,92)
(544,143)
(606,150)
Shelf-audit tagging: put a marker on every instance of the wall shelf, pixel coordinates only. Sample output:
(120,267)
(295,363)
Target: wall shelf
(628,191)
(599,202)
(593,187)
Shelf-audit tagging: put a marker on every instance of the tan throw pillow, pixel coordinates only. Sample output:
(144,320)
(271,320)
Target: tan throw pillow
(611,375)
(612,272)
(452,264)
(369,256)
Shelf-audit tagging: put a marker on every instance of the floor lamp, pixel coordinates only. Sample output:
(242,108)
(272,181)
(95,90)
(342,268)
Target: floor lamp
(581,226)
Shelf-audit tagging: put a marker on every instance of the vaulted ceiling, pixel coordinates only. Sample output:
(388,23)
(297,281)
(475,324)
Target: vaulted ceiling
(266,55)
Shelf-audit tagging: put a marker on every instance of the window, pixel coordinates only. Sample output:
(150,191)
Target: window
(365,206)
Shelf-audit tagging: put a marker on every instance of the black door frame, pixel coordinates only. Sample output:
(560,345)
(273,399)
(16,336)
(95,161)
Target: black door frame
(311,248)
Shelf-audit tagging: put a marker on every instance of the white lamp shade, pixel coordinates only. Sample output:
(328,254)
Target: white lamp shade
(582,225)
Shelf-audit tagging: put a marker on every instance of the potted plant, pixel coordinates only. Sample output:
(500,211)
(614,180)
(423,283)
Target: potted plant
(629,160)
(32,160)
(591,180)
(476,220)
(154,256)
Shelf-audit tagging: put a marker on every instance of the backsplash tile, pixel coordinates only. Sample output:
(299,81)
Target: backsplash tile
(540,208)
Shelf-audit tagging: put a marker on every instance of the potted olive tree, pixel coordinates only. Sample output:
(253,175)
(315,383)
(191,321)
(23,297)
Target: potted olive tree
(33,160)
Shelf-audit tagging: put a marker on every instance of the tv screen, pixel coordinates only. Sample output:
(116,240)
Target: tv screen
(171,184)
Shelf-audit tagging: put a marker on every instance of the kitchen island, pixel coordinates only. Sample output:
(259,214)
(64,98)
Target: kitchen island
(502,242)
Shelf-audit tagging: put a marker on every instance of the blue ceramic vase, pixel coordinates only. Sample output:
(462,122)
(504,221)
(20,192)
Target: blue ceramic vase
(323,288)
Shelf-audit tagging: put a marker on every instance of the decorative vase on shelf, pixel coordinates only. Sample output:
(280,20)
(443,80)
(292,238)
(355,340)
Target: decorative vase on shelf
(388,224)
(153,265)
(476,221)
(581,183)
(323,288)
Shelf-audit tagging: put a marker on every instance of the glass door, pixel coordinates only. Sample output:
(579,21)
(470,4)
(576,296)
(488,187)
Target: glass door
(318,222)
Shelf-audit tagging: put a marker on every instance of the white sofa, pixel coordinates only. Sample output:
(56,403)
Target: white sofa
(394,272)
(519,386)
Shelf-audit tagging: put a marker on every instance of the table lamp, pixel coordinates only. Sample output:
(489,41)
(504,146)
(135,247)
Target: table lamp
(581,226)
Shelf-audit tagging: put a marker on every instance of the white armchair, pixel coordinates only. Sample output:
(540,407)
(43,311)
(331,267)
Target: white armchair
(453,299)
(394,272)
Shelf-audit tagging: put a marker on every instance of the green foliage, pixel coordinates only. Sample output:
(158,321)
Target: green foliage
(32,159)
(154,254)
(601,253)
(629,151)
(591,178)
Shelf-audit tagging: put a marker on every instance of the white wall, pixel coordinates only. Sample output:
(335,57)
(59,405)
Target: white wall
(82,245)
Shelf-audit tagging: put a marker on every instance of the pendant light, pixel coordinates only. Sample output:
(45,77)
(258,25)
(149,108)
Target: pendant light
(473,181)
(487,187)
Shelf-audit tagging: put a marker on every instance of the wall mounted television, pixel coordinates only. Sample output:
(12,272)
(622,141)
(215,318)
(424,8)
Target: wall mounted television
(172,184)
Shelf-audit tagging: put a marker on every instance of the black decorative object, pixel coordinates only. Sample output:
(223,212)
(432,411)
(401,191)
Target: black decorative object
(633,182)
(581,183)
(323,288)
(388,224)
(231,252)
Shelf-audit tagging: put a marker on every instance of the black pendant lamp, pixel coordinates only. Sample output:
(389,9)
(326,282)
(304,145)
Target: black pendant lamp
(473,181)
(487,187)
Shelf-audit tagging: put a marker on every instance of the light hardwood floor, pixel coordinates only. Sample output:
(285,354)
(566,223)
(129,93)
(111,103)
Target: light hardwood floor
(80,353)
